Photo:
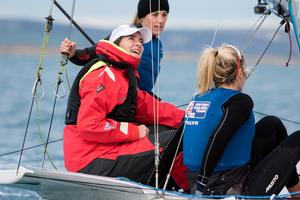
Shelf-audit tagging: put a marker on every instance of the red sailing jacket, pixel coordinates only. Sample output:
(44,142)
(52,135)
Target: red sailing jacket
(95,135)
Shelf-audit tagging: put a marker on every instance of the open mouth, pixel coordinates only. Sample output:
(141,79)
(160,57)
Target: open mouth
(136,52)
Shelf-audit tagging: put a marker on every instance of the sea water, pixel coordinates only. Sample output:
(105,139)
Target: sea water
(274,89)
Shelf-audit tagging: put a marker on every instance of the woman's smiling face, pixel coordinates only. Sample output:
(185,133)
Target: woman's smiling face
(156,21)
(133,44)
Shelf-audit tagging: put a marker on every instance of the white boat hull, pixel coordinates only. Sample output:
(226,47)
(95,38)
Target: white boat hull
(61,185)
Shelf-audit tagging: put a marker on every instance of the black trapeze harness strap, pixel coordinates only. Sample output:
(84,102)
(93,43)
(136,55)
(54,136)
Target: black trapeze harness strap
(124,112)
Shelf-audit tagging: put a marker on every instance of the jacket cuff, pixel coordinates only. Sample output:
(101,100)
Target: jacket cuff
(130,130)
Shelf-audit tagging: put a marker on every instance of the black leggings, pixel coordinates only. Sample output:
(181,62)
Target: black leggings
(273,158)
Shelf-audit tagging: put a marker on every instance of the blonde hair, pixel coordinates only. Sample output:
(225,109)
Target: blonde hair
(218,66)
(136,21)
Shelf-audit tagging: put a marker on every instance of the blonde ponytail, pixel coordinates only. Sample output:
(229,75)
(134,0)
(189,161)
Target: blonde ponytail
(206,70)
(217,67)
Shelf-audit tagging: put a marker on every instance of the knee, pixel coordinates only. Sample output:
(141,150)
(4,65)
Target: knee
(293,140)
(272,124)
(272,120)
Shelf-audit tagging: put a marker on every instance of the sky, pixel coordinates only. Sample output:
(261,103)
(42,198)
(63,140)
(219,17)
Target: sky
(192,14)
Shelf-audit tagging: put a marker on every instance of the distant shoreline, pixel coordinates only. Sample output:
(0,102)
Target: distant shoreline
(251,59)
(28,50)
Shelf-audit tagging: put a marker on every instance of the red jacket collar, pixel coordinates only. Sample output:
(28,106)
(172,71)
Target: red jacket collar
(115,53)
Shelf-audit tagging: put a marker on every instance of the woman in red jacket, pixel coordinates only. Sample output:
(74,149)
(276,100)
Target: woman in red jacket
(105,132)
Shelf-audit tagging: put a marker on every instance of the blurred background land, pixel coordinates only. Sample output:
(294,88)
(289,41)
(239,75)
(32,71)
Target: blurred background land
(26,37)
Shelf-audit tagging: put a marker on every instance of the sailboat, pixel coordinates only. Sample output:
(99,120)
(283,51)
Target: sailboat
(56,184)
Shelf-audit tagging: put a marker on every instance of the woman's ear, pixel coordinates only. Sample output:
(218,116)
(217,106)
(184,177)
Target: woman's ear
(241,73)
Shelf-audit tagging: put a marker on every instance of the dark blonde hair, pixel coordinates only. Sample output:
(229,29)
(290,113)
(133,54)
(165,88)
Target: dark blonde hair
(218,66)
(136,21)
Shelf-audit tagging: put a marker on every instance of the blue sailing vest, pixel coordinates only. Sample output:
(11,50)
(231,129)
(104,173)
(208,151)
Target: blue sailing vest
(202,117)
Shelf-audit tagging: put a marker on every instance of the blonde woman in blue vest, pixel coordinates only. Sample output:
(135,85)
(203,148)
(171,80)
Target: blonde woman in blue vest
(224,150)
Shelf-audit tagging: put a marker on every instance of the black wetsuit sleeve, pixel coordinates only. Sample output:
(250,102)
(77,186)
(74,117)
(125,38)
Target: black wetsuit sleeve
(83,56)
(236,110)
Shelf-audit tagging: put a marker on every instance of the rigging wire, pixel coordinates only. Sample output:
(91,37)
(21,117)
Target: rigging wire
(155,105)
(63,64)
(31,147)
(267,47)
(156,108)
(64,58)
(261,20)
(26,129)
(38,80)
(157,92)
(61,139)
(214,37)
(175,153)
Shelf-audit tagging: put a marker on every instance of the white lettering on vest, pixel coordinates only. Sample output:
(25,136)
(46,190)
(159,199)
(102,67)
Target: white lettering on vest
(192,123)
(275,178)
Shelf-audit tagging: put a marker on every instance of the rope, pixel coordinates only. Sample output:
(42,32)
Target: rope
(47,30)
(63,64)
(39,130)
(288,30)
(51,122)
